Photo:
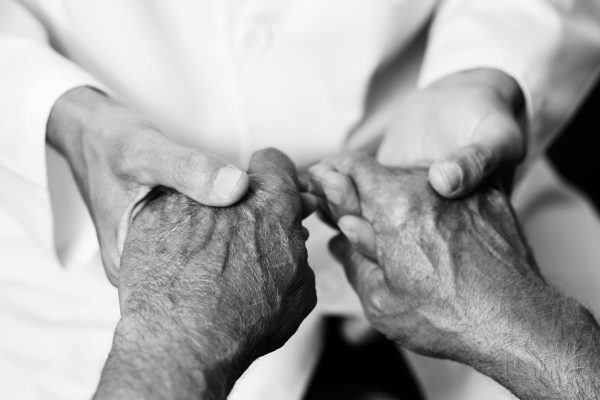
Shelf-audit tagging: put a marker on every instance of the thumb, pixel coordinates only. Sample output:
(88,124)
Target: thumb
(206,178)
(498,142)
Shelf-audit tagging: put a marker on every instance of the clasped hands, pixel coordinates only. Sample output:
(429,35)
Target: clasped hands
(204,291)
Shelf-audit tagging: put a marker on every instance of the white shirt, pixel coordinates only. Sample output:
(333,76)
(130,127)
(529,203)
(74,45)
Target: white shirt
(231,77)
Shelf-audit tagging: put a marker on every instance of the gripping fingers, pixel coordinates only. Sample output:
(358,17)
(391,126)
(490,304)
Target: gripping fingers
(337,188)
(359,270)
(462,171)
(498,142)
(361,234)
(206,178)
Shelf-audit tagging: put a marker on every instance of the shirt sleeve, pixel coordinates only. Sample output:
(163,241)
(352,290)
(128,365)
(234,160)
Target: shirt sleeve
(32,78)
(550,47)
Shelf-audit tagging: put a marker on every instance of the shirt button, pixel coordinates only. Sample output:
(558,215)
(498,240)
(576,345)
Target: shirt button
(257,39)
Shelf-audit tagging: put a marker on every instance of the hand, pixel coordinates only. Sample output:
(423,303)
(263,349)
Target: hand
(454,279)
(426,261)
(204,291)
(464,127)
(117,156)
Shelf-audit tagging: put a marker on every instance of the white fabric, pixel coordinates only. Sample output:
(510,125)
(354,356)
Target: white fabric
(231,77)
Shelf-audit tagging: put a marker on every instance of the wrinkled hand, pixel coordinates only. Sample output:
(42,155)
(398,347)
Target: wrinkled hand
(454,279)
(117,157)
(211,289)
(433,274)
(465,127)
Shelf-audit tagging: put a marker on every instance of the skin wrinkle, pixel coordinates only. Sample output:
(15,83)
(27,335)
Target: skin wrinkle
(508,225)
(456,279)
(258,234)
(212,288)
(226,254)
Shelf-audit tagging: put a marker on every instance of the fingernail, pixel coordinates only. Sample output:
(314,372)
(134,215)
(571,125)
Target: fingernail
(451,175)
(227,182)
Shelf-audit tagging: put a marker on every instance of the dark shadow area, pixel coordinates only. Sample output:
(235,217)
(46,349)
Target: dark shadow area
(575,153)
(374,370)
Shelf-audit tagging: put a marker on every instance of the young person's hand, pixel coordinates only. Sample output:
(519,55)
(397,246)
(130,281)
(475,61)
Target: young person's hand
(117,157)
(465,128)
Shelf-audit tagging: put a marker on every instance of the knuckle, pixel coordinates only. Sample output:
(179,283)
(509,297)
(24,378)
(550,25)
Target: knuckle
(375,305)
(273,194)
(352,163)
(124,165)
(271,153)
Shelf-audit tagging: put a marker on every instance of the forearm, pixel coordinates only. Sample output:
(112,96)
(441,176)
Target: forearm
(162,363)
(550,351)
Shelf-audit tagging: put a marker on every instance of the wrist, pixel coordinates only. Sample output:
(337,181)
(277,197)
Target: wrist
(513,319)
(546,346)
(158,359)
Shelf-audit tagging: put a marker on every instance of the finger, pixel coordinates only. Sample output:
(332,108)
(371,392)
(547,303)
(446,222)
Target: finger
(339,191)
(498,143)
(354,164)
(361,234)
(206,178)
(365,173)
(315,188)
(273,162)
(314,184)
(359,270)
(374,185)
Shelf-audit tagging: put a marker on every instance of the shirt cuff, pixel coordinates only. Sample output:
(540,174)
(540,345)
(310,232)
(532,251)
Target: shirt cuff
(31,87)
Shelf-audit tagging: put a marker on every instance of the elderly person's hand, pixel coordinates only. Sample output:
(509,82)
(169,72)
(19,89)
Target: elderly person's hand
(204,291)
(117,156)
(465,127)
(454,279)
